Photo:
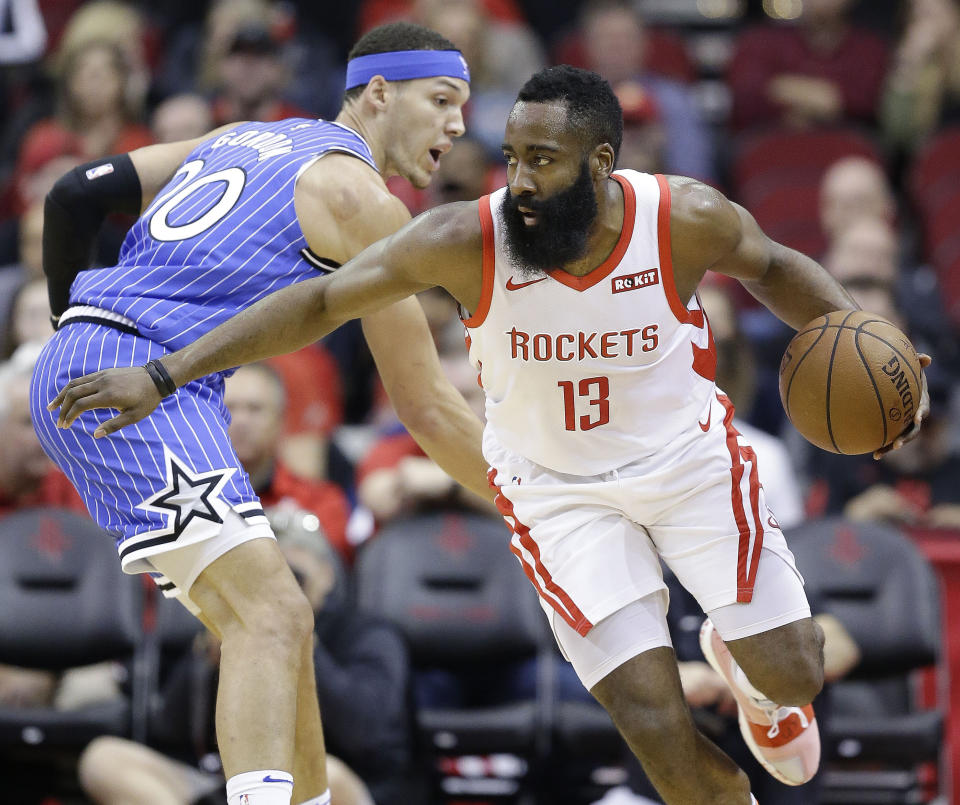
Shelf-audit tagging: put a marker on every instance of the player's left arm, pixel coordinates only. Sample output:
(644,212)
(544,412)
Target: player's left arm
(709,232)
(81,199)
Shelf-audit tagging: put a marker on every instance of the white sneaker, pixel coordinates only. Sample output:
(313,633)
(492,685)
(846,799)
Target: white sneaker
(785,740)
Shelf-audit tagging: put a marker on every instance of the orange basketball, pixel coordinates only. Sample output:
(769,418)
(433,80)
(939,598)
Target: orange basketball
(850,382)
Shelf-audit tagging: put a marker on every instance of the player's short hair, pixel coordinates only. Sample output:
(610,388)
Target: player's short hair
(392,37)
(592,106)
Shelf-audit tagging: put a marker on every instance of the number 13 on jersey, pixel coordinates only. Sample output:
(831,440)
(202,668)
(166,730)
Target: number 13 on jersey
(590,396)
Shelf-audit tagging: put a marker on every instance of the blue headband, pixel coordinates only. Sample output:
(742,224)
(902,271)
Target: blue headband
(403,65)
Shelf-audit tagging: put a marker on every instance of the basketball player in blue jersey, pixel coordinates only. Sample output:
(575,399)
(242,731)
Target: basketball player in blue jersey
(609,443)
(224,220)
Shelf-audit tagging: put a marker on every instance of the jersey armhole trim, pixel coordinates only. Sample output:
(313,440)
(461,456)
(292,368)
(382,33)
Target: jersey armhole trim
(682,313)
(489,263)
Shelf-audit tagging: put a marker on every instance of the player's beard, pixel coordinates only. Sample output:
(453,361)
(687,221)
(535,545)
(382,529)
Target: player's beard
(561,231)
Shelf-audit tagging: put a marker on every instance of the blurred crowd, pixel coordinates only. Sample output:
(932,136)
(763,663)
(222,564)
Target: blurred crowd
(837,124)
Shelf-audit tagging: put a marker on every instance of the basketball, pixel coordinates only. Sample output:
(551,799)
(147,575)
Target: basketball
(850,382)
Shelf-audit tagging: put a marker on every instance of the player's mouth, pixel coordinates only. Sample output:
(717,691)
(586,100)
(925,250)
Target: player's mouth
(435,154)
(530,217)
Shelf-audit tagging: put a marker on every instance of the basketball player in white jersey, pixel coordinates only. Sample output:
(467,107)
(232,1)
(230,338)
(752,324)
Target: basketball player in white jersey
(609,444)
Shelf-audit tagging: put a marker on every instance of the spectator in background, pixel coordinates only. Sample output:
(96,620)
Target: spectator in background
(395,478)
(196,52)
(823,70)
(923,87)
(256,400)
(614,46)
(865,258)
(28,320)
(181,117)
(501,54)
(644,145)
(97,115)
(121,24)
(465,173)
(27,476)
(852,188)
(251,80)
(192,59)
(28,265)
(362,671)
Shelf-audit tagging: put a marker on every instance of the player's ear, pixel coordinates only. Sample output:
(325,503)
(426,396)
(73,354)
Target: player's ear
(601,161)
(377,91)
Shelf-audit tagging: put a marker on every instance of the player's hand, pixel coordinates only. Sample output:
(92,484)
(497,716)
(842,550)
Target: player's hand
(923,409)
(130,391)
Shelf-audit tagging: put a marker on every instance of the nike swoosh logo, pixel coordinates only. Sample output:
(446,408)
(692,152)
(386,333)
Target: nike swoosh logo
(706,427)
(513,286)
(269,779)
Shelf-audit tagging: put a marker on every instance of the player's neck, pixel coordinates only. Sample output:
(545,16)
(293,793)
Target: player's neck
(349,117)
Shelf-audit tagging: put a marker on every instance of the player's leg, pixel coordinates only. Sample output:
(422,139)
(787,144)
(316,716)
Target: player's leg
(629,666)
(253,601)
(725,547)
(310,771)
(770,652)
(309,767)
(786,663)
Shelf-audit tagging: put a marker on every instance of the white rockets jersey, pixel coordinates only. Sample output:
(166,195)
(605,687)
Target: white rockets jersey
(586,374)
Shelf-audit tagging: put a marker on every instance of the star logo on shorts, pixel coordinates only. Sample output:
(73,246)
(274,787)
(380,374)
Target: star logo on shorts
(187,495)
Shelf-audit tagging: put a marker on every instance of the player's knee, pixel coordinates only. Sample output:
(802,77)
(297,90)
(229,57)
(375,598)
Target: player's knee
(278,618)
(798,681)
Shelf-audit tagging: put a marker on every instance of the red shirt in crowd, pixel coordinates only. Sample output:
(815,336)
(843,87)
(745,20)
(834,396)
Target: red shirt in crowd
(857,65)
(54,490)
(324,499)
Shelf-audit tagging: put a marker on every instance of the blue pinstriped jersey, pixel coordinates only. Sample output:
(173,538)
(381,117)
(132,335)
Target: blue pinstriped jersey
(222,234)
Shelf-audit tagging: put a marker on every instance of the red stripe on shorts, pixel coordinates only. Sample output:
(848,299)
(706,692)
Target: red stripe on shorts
(565,607)
(747,561)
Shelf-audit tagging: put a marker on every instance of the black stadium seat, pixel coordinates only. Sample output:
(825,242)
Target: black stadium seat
(879,585)
(64,603)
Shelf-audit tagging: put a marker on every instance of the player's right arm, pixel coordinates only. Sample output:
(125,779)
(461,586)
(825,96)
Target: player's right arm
(82,198)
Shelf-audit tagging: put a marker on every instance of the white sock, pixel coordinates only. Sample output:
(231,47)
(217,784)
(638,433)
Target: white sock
(753,800)
(323,799)
(265,787)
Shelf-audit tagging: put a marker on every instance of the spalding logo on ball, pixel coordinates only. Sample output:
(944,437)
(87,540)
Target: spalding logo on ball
(850,382)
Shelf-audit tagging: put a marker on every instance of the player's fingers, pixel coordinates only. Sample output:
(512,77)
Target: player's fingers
(925,360)
(123,419)
(73,407)
(73,386)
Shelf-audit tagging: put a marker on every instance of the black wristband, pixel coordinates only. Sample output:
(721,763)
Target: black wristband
(160,377)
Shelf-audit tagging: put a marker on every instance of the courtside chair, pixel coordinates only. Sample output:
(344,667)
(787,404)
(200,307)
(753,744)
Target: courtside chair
(883,590)
(452,586)
(64,603)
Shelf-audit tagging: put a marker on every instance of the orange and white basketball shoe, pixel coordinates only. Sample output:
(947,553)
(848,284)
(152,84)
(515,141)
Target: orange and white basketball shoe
(785,740)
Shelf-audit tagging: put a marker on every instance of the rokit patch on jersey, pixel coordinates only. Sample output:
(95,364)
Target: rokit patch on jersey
(632,282)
